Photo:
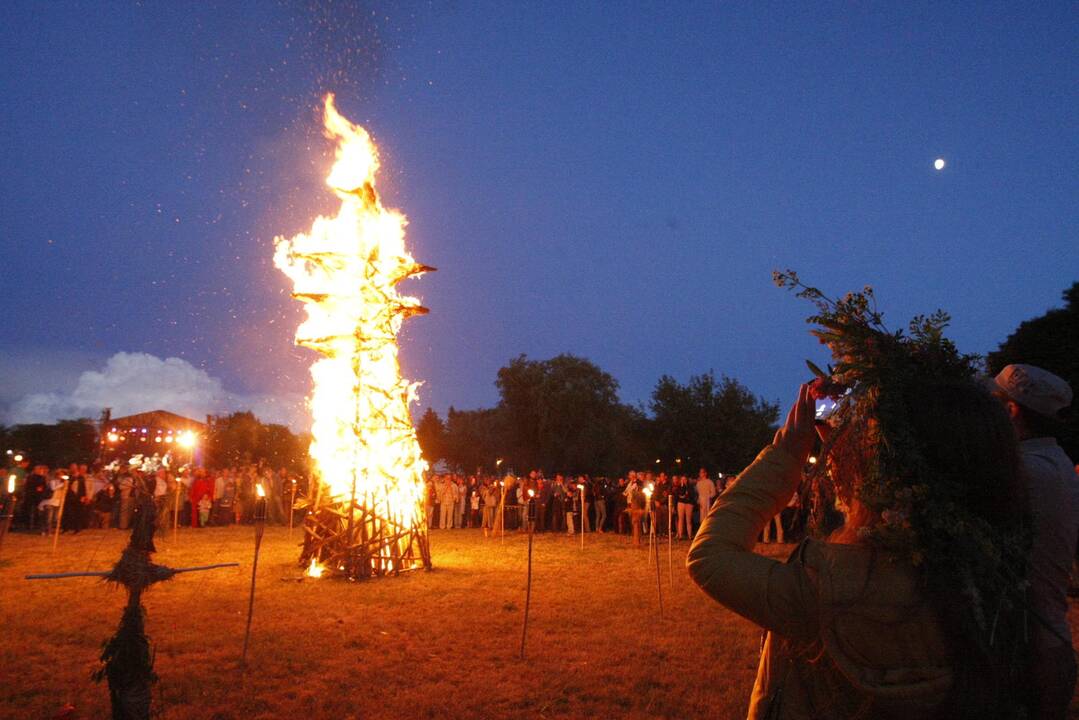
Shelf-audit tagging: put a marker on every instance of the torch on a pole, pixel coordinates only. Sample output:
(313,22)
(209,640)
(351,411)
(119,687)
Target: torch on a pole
(580,488)
(60,512)
(651,520)
(528,584)
(670,535)
(260,526)
(653,544)
(9,508)
(176,510)
(502,513)
(292,508)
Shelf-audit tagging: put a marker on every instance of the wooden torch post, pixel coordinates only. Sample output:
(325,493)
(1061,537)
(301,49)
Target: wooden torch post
(670,534)
(528,585)
(580,488)
(653,544)
(260,525)
(502,513)
(9,508)
(176,510)
(291,508)
(60,513)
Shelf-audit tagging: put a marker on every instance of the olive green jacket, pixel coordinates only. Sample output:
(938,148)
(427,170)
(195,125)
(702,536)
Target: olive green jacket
(849,632)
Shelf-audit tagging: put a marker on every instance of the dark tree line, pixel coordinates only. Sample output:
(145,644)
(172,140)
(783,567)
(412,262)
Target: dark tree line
(718,424)
(564,415)
(241,439)
(62,443)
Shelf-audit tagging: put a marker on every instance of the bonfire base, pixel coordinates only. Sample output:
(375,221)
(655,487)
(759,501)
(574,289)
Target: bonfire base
(364,545)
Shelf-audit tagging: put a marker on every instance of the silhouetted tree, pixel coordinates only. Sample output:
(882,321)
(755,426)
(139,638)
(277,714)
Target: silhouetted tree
(431,434)
(240,438)
(281,448)
(562,414)
(474,439)
(719,425)
(1050,341)
(63,443)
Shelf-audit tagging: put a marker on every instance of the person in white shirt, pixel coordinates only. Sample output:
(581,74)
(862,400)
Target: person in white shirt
(51,505)
(161,499)
(459,502)
(447,496)
(706,491)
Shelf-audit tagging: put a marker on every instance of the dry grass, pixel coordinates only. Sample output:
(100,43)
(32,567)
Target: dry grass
(438,644)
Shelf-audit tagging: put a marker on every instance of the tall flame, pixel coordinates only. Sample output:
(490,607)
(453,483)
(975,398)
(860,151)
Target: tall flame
(345,271)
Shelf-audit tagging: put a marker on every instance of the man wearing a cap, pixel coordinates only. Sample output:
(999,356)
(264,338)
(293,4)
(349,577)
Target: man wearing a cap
(1034,399)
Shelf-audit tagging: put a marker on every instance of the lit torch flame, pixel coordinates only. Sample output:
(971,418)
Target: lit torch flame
(345,271)
(259,490)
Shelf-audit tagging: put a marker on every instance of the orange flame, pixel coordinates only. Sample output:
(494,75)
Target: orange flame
(345,271)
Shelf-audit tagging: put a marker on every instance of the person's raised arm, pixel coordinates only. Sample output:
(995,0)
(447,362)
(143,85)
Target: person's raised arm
(721,561)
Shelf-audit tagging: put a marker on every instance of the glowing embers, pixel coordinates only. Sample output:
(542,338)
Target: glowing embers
(366,516)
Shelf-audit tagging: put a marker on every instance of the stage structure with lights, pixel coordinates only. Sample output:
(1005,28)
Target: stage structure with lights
(365,517)
(157,432)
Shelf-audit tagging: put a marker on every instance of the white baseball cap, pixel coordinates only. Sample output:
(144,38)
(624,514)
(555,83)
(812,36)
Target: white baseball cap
(1034,388)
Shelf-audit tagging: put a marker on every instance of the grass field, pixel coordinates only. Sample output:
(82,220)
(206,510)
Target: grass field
(424,645)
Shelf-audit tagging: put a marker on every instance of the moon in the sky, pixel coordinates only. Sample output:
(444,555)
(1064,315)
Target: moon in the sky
(939,163)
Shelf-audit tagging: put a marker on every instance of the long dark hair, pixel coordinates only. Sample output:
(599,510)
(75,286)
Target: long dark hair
(970,451)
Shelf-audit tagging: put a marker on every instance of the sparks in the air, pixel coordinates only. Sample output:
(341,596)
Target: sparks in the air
(939,164)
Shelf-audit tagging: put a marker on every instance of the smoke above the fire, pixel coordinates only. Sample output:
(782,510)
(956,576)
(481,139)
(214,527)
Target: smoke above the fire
(138,382)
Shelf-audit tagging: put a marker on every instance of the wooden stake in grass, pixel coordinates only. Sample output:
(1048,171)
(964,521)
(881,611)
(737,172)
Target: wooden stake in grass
(292,508)
(528,585)
(651,520)
(260,525)
(670,536)
(176,511)
(502,512)
(655,549)
(60,513)
(9,509)
(653,544)
(580,487)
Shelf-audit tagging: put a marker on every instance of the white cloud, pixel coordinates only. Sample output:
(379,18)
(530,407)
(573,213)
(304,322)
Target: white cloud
(138,382)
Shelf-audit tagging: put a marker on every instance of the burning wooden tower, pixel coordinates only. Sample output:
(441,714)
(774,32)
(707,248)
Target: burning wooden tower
(366,514)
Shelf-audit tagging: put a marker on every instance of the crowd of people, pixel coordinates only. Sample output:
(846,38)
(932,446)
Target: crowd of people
(571,504)
(78,497)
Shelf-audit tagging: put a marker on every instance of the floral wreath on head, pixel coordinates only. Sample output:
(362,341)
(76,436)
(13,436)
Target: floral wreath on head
(915,514)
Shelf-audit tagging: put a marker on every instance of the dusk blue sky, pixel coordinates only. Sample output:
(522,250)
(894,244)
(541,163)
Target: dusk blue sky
(616,181)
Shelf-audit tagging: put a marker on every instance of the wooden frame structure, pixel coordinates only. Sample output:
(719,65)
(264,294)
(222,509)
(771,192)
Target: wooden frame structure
(364,545)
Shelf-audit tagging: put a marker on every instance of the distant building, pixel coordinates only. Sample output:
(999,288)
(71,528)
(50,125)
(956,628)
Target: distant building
(149,433)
